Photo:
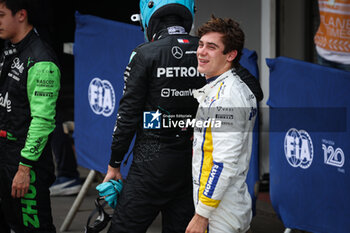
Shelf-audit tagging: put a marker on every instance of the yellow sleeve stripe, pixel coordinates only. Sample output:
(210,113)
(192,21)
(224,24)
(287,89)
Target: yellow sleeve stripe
(207,160)
(209,202)
(207,164)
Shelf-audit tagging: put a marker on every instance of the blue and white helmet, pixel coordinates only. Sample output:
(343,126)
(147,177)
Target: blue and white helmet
(151,12)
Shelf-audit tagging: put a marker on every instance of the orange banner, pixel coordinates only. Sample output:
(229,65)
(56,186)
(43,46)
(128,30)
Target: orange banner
(334,30)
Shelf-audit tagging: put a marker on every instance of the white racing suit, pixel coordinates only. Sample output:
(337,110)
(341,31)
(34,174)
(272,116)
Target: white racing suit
(221,153)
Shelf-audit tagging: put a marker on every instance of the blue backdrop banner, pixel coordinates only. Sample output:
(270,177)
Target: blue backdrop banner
(249,60)
(101,51)
(309,145)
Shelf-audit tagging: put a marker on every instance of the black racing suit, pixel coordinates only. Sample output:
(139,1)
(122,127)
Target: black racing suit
(160,77)
(29,86)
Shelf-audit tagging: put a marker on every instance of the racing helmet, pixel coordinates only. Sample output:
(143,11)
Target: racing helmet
(151,12)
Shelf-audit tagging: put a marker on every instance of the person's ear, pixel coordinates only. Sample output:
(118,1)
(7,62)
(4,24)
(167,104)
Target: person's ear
(22,15)
(232,55)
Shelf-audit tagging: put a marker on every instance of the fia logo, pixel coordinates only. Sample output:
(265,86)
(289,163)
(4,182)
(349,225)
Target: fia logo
(298,148)
(151,120)
(101,97)
(333,157)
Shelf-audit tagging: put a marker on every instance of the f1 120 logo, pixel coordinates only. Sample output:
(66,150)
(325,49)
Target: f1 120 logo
(298,148)
(151,120)
(333,157)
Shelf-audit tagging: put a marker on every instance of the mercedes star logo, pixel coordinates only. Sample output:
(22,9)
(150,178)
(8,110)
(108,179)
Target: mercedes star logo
(177,52)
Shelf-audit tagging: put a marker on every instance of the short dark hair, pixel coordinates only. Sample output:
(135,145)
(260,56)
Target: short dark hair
(233,35)
(16,5)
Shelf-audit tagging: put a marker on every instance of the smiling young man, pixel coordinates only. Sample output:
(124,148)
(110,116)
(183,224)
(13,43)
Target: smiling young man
(211,59)
(29,85)
(221,155)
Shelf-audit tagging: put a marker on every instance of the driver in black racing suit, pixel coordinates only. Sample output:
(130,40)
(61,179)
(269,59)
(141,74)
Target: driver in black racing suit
(159,80)
(158,88)
(29,86)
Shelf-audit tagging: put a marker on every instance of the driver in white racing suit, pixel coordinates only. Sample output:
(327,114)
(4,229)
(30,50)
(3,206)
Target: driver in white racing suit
(223,133)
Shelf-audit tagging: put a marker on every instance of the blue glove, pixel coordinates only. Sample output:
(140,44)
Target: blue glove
(112,200)
(118,185)
(110,190)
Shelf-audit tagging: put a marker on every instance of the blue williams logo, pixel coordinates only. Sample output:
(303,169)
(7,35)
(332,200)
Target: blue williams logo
(298,148)
(101,97)
(151,120)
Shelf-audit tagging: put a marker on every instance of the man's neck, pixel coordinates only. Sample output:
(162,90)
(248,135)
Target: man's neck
(218,72)
(22,33)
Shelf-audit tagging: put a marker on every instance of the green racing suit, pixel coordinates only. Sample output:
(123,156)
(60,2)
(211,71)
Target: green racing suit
(29,87)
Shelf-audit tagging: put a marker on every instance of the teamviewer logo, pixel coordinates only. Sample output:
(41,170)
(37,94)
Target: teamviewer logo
(151,120)
(165,92)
